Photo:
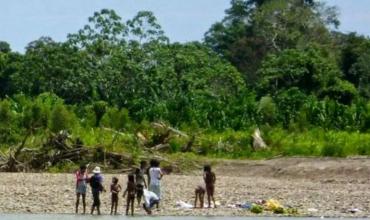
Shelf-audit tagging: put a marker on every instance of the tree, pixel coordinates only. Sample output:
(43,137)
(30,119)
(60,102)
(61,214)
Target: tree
(60,119)
(176,82)
(49,66)
(309,70)
(284,24)
(267,110)
(145,28)
(354,50)
(361,72)
(104,26)
(4,47)
(10,63)
(252,29)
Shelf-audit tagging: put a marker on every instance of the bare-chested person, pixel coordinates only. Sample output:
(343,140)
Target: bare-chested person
(115,188)
(199,194)
(130,191)
(210,180)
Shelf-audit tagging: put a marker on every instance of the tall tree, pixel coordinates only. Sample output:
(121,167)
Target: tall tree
(145,28)
(10,63)
(252,29)
(104,27)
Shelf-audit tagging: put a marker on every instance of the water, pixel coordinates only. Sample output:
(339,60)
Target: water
(108,217)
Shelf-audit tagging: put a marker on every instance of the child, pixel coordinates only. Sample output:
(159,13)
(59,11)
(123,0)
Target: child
(81,186)
(156,175)
(199,193)
(115,188)
(150,199)
(96,183)
(140,181)
(130,190)
(210,180)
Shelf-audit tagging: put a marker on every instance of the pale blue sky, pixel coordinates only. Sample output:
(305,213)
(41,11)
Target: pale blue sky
(22,21)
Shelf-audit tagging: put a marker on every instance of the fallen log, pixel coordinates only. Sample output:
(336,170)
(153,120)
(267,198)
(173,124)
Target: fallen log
(161,147)
(12,163)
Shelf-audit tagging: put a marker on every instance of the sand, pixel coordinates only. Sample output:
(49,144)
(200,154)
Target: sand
(316,187)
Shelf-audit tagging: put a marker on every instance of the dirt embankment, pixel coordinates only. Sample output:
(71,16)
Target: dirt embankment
(319,169)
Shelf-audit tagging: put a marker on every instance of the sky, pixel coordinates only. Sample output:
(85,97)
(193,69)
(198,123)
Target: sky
(22,21)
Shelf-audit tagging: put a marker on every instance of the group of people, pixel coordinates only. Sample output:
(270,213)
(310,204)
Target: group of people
(137,188)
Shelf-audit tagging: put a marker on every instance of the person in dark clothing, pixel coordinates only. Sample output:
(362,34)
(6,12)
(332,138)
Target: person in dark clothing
(96,184)
(140,181)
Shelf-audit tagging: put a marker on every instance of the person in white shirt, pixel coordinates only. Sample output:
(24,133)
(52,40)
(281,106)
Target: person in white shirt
(155,175)
(150,199)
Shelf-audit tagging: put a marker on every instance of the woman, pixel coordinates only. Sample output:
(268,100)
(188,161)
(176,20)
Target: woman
(156,175)
(81,186)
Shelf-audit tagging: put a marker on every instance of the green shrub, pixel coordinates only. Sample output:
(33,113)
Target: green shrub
(36,115)
(177,143)
(60,119)
(8,127)
(267,110)
(292,211)
(332,150)
(6,115)
(65,167)
(99,107)
(257,209)
(116,119)
(87,116)
(278,210)
(364,149)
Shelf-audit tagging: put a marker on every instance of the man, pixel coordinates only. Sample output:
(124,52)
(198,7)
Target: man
(96,183)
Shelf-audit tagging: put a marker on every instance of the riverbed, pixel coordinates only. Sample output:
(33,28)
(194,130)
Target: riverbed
(314,186)
(108,217)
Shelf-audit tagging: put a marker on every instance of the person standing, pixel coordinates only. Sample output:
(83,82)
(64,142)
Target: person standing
(155,175)
(210,181)
(82,178)
(96,183)
(130,192)
(140,184)
(115,188)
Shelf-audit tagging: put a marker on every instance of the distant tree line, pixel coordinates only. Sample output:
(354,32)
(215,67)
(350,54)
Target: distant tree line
(275,63)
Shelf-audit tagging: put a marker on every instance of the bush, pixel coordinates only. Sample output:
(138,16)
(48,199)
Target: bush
(364,149)
(8,131)
(257,209)
(278,210)
(267,110)
(60,119)
(6,115)
(332,150)
(64,167)
(36,115)
(99,107)
(116,119)
(176,144)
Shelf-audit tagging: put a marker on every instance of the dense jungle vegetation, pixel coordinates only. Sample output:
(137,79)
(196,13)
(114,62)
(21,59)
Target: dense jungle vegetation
(277,65)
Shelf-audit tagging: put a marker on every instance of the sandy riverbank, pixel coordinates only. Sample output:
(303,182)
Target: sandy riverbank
(329,186)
